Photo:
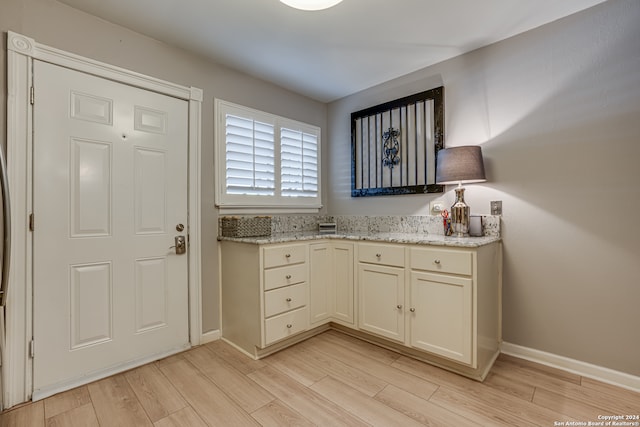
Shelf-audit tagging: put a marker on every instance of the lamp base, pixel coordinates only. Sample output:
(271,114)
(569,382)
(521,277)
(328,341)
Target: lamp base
(460,215)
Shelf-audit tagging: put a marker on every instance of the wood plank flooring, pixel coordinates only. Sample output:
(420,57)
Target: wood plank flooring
(329,380)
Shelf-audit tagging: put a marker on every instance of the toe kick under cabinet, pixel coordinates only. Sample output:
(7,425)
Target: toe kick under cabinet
(441,304)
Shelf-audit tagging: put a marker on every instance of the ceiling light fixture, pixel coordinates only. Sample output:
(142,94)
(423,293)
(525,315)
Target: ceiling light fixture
(311,4)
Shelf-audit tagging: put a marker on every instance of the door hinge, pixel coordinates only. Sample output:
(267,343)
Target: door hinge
(32,95)
(32,349)
(31,222)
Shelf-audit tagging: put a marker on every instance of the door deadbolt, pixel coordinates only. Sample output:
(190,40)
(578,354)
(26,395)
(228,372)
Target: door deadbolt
(181,245)
(180,227)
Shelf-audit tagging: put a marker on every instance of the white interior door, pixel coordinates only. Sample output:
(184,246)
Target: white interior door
(110,190)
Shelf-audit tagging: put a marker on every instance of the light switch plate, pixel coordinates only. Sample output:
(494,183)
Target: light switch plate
(436,207)
(496,207)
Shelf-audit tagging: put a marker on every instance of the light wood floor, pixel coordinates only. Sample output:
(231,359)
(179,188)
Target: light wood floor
(329,380)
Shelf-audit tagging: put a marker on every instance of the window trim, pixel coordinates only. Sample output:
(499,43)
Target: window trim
(234,203)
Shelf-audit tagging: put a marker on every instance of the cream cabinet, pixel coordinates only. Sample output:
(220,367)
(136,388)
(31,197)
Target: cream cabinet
(381,287)
(285,296)
(320,283)
(343,296)
(436,303)
(331,283)
(440,312)
(441,305)
(442,301)
(265,294)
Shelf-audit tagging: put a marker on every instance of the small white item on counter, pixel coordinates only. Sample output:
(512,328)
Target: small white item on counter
(327,228)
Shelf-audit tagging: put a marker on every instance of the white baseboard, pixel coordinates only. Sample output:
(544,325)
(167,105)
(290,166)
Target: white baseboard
(210,336)
(606,375)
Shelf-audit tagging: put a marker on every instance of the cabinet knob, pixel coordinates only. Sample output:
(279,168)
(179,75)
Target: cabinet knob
(378,255)
(288,276)
(287,255)
(289,326)
(399,306)
(437,261)
(413,310)
(288,299)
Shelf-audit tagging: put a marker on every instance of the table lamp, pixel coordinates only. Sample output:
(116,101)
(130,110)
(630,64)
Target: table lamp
(458,165)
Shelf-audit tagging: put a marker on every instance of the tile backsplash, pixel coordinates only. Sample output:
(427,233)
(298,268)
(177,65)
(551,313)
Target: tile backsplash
(374,224)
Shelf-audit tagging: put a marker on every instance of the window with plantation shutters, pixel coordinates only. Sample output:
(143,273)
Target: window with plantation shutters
(265,162)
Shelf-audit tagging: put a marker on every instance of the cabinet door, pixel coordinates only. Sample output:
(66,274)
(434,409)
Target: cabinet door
(320,283)
(381,291)
(441,310)
(343,282)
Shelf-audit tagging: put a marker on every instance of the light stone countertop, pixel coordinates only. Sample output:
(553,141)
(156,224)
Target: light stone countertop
(407,238)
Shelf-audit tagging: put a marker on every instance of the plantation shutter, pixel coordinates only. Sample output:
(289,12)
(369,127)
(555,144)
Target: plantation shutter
(250,156)
(299,163)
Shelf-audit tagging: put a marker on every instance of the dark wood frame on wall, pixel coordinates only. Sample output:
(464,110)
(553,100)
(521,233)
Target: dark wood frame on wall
(414,130)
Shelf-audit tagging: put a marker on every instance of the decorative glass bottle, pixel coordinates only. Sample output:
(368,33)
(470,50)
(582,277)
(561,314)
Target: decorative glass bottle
(460,215)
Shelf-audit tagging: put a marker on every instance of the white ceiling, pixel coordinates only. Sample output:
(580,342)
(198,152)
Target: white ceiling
(336,52)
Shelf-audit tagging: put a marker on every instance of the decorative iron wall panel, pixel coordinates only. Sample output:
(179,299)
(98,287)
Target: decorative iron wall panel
(395,145)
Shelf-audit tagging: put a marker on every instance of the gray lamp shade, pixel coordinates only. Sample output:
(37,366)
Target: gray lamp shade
(460,165)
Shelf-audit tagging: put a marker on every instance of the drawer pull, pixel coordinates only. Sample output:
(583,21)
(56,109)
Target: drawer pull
(289,326)
(437,261)
(288,276)
(413,310)
(288,299)
(399,306)
(287,256)
(378,255)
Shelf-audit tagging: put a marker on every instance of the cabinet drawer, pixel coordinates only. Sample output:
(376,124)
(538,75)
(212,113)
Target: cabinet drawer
(285,299)
(284,276)
(442,261)
(286,324)
(381,254)
(284,255)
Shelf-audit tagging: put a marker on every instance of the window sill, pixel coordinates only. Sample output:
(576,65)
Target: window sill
(267,210)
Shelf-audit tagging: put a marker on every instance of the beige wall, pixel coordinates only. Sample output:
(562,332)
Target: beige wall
(557,111)
(60,26)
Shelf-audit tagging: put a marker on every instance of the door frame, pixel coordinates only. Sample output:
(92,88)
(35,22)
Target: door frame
(17,366)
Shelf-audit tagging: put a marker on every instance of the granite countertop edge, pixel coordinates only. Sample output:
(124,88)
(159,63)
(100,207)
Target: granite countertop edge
(407,238)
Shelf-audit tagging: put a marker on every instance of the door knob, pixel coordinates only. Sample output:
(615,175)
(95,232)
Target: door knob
(180,246)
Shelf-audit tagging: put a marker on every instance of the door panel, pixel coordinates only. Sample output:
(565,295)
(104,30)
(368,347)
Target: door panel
(343,282)
(320,283)
(151,294)
(90,195)
(381,291)
(150,167)
(91,304)
(110,185)
(442,316)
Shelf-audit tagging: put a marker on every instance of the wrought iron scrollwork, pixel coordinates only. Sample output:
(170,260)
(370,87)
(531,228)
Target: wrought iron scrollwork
(391,148)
